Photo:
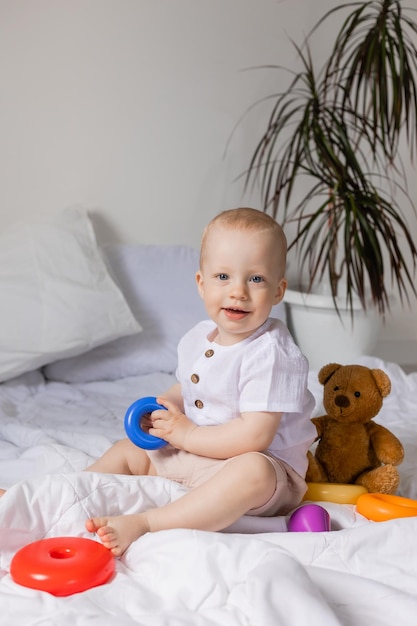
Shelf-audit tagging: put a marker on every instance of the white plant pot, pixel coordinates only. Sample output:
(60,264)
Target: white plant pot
(326,337)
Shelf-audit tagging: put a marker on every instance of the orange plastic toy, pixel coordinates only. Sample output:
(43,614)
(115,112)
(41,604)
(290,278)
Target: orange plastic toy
(380,507)
(62,565)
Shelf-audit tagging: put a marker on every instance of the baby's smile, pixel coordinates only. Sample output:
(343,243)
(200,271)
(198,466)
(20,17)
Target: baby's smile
(235,314)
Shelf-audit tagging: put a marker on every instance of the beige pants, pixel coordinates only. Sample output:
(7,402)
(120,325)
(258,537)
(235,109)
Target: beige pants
(191,471)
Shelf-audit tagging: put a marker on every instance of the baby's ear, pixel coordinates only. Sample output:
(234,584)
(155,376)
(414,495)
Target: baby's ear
(281,289)
(200,282)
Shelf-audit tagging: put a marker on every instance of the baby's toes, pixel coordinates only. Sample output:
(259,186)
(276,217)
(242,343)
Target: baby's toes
(110,540)
(107,534)
(94,523)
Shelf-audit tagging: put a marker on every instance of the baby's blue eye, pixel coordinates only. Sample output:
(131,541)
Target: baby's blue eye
(257,279)
(222,276)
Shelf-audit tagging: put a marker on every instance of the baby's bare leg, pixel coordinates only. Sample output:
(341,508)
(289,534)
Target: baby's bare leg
(2,492)
(246,482)
(124,458)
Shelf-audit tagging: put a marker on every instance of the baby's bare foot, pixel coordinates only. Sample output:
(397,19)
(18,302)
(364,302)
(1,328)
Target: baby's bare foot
(117,533)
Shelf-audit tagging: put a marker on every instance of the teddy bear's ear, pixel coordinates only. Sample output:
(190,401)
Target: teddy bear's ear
(383,382)
(327,371)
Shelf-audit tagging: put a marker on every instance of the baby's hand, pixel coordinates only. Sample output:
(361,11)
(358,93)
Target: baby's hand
(146,422)
(171,425)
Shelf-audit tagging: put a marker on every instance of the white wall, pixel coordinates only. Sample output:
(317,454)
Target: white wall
(126,107)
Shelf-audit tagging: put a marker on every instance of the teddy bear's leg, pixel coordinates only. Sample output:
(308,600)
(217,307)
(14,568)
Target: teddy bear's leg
(384,479)
(315,471)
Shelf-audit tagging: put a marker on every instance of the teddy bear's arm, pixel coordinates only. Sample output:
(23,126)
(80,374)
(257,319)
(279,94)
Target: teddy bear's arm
(387,447)
(319,424)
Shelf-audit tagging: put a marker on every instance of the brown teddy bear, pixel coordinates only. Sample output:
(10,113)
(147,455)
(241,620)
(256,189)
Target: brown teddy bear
(351,448)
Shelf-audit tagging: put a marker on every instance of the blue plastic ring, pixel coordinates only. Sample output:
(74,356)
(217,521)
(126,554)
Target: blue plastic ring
(132,424)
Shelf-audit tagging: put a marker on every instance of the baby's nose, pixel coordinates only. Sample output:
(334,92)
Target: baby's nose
(239,290)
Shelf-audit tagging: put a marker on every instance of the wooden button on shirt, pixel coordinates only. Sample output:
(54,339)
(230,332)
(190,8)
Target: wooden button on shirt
(209,353)
(195,378)
(199,404)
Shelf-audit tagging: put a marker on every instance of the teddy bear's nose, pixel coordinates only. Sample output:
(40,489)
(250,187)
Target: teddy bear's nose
(342,401)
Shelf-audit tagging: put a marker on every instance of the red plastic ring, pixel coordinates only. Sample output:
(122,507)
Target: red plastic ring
(62,565)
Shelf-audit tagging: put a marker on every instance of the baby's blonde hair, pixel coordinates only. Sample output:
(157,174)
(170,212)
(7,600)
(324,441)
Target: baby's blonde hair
(248,219)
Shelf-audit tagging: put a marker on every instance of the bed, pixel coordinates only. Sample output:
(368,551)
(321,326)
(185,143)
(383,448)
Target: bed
(85,331)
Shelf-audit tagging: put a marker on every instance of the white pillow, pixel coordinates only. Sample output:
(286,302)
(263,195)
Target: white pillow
(159,284)
(57,297)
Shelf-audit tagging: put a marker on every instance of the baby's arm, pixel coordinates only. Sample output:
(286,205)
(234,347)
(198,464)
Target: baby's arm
(250,432)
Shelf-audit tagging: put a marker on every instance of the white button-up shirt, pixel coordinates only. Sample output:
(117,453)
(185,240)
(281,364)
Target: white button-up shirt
(264,372)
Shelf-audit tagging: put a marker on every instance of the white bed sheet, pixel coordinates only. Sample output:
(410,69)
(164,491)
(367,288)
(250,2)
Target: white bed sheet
(360,574)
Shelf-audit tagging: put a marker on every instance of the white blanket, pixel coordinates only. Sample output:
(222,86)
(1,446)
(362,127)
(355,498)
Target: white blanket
(364,574)
(361,573)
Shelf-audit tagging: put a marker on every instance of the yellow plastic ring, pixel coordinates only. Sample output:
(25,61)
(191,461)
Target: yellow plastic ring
(339,493)
(380,507)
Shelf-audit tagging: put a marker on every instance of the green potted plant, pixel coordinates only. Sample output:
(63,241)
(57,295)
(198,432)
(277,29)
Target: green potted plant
(328,168)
